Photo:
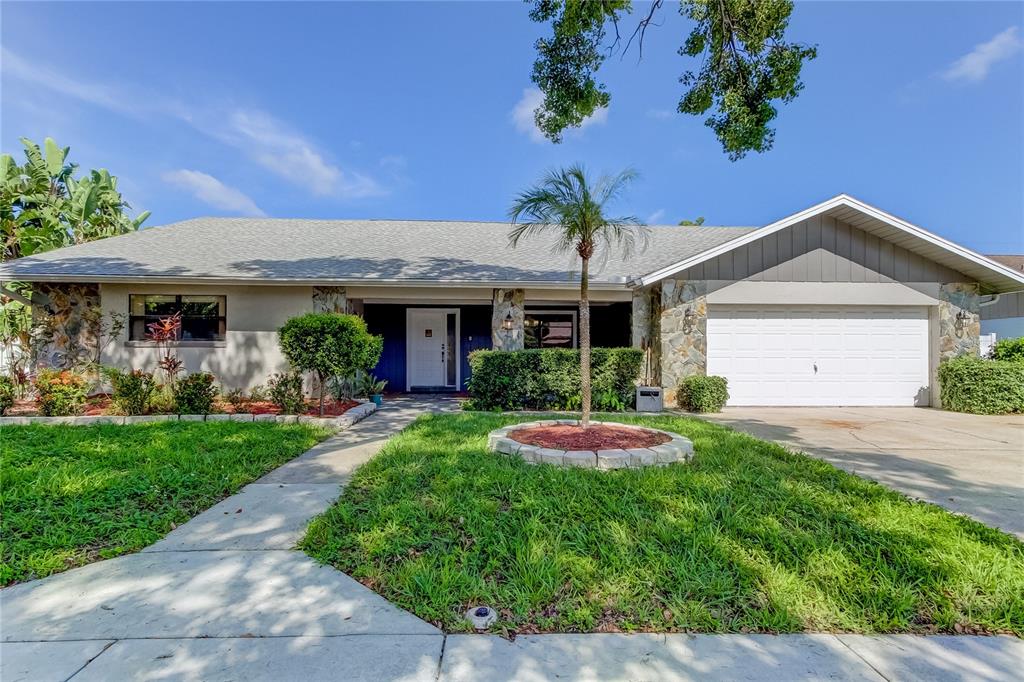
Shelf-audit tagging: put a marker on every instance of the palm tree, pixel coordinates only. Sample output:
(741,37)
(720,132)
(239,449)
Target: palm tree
(567,203)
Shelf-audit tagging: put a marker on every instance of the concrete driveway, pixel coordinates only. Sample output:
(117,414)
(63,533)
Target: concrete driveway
(972,464)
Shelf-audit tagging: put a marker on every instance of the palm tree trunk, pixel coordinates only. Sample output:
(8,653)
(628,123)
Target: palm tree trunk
(585,343)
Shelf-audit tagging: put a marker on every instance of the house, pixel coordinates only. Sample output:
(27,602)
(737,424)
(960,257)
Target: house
(838,304)
(1004,316)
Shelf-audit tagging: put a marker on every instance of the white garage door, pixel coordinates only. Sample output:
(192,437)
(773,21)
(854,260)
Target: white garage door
(815,355)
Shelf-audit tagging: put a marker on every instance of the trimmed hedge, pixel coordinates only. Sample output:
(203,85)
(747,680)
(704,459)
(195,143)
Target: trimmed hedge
(970,384)
(700,393)
(549,379)
(1009,349)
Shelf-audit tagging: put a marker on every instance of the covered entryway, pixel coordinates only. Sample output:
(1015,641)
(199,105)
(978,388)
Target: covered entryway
(432,343)
(820,355)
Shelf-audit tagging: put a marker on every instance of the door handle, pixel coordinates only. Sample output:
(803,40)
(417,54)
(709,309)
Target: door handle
(815,368)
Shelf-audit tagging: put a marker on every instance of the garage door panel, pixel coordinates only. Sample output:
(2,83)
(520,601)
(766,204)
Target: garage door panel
(820,355)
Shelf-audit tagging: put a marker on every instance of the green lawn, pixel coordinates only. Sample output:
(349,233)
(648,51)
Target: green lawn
(74,494)
(747,537)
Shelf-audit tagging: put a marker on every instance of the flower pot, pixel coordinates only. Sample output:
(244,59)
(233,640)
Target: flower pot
(377,398)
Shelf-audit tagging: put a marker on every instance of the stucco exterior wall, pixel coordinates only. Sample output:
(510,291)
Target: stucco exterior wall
(249,353)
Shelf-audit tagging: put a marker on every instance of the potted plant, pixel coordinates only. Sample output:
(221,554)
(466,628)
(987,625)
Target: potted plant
(373,388)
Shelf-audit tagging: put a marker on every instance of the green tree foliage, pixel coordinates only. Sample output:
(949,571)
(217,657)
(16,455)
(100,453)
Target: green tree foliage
(329,345)
(568,203)
(699,221)
(44,207)
(747,65)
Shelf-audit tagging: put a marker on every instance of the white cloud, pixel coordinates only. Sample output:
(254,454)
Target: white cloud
(265,140)
(212,191)
(656,217)
(523,119)
(975,65)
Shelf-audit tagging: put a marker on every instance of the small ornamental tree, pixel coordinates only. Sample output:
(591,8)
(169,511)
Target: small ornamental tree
(329,345)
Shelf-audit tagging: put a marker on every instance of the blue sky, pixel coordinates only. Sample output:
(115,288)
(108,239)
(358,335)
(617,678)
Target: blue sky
(396,110)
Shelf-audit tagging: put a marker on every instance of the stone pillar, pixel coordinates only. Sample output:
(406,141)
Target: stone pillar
(330,300)
(64,333)
(683,332)
(507,302)
(959,320)
(646,312)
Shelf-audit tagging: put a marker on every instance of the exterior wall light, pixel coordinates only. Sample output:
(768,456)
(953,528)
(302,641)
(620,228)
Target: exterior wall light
(507,322)
(689,321)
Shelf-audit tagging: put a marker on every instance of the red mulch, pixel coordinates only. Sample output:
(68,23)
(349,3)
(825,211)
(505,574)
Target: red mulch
(101,404)
(597,437)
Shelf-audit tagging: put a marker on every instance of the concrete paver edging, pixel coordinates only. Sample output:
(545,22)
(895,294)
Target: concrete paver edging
(348,418)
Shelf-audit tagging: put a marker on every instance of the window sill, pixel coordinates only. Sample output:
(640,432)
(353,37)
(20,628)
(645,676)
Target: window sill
(176,344)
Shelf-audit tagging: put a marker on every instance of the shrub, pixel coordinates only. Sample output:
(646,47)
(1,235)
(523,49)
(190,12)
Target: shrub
(7,392)
(702,393)
(132,390)
(970,384)
(549,378)
(194,393)
(60,393)
(330,345)
(285,391)
(236,398)
(1009,349)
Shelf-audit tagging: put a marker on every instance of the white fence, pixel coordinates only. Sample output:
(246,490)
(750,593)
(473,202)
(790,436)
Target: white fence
(987,341)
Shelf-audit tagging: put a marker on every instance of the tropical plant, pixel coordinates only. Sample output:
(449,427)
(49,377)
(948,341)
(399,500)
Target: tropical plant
(44,207)
(60,393)
(370,385)
(747,64)
(132,390)
(164,332)
(194,393)
(285,391)
(329,344)
(569,204)
(8,391)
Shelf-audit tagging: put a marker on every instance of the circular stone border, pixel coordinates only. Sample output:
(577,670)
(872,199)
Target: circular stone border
(678,449)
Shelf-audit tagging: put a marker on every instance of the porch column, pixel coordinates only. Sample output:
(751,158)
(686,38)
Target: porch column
(683,325)
(646,331)
(959,321)
(507,303)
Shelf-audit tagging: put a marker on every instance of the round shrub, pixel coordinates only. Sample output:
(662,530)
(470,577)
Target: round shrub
(970,384)
(132,390)
(285,391)
(194,393)
(7,393)
(329,344)
(60,393)
(702,393)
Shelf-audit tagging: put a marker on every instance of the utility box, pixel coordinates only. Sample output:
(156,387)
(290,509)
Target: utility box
(649,399)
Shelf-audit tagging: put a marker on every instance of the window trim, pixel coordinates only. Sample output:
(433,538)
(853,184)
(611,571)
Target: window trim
(527,312)
(195,343)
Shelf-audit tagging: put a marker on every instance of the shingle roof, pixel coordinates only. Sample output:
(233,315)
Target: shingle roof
(323,251)
(1011,261)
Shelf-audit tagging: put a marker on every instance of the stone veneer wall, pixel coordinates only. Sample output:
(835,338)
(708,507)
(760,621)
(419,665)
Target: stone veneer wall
(683,346)
(508,302)
(646,311)
(954,341)
(64,337)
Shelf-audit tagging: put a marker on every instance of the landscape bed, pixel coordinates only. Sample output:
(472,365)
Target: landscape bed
(746,537)
(70,495)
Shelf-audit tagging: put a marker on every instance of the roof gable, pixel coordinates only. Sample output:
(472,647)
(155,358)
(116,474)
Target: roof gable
(869,219)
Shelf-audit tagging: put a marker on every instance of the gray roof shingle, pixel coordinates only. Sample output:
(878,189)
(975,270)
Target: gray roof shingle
(272,249)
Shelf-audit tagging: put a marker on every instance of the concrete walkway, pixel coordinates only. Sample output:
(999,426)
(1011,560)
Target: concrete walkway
(224,597)
(969,463)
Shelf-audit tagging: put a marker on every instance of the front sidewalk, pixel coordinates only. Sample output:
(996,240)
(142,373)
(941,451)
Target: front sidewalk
(226,597)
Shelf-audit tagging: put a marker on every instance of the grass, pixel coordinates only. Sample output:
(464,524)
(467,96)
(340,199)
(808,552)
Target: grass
(747,538)
(70,495)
